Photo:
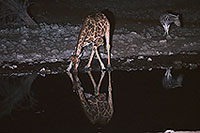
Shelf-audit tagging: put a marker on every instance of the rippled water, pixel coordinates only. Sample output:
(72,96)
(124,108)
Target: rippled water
(135,101)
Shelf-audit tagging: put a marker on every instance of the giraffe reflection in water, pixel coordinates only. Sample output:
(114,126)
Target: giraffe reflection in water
(98,107)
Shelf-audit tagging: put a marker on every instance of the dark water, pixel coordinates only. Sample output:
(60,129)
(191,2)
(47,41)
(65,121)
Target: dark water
(34,103)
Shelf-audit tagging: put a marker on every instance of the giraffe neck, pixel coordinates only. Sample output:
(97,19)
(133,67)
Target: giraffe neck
(80,42)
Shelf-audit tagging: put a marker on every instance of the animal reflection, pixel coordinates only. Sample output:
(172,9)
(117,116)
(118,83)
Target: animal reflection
(98,107)
(13,91)
(169,82)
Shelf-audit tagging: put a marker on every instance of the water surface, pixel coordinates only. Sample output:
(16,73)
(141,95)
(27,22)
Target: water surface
(34,103)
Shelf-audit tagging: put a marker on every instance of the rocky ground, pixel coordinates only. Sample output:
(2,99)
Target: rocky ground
(137,41)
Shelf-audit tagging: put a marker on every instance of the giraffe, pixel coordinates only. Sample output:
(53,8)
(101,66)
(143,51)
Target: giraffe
(93,31)
(98,107)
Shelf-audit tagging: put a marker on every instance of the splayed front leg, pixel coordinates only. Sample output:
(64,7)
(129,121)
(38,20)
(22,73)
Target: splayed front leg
(69,67)
(74,63)
(87,67)
(99,58)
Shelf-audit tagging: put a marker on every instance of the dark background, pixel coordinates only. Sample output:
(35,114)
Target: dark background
(75,10)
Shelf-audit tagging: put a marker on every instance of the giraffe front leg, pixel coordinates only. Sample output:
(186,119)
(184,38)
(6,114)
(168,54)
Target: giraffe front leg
(70,66)
(70,76)
(98,57)
(87,67)
(76,66)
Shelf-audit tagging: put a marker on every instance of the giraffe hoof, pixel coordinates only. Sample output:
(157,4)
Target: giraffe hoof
(109,68)
(86,68)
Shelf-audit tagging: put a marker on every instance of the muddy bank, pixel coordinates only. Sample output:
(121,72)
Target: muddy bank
(133,63)
(54,44)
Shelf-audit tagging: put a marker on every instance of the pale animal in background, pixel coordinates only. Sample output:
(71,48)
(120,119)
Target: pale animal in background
(167,19)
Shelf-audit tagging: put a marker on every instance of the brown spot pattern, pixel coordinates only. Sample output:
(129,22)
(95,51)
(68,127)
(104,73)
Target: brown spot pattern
(93,27)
